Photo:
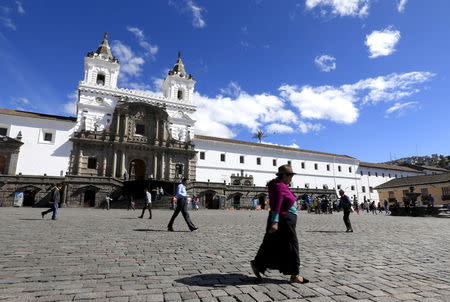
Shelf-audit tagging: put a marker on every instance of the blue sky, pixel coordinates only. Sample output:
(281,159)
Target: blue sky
(367,78)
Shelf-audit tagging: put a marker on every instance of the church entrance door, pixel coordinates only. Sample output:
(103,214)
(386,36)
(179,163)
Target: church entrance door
(137,169)
(89,199)
(28,198)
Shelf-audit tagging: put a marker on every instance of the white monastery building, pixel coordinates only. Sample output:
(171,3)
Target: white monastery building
(152,137)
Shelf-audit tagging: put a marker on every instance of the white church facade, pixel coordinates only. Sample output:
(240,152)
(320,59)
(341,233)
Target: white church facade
(151,139)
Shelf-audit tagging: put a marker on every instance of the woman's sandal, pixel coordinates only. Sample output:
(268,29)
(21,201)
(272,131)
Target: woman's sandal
(296,279)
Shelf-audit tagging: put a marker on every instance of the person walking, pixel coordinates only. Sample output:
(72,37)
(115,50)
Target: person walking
(182,206)
(279,249)
(106,205)
(346,205)
(54,203)
(386,206)
(131,203)
(147,204)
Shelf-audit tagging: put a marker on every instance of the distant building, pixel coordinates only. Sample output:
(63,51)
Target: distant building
(436,185)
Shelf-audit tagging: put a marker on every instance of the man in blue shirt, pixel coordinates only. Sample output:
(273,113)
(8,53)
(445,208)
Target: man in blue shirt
(182,206)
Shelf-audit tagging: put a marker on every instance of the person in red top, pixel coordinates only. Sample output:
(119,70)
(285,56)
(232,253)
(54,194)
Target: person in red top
(279,249)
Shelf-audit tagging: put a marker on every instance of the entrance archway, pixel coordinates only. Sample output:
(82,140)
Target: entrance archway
(262,201)
(237,201)
(29,198)
(210,201)
(89,199)
(2,165)
(137,169)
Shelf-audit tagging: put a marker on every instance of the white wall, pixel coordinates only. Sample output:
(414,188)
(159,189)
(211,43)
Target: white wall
(37,156)
(211,168)
(215,170)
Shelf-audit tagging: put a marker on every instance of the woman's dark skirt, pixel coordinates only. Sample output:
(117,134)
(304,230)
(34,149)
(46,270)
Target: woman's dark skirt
(279,250)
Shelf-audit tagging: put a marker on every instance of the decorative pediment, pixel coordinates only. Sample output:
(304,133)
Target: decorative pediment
(179,115)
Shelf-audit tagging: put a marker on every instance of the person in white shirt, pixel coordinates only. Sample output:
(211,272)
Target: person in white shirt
(182,206)
(147,204)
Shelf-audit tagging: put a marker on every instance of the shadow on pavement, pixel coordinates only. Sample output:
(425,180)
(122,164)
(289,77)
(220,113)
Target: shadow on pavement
(325,231)
(31,219)
(166,231)
(223,280)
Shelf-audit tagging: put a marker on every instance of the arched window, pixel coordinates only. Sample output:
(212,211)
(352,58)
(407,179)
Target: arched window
(100,79)
(180,94)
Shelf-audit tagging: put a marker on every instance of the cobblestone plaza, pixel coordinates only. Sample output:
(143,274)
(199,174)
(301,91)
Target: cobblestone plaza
(91,254)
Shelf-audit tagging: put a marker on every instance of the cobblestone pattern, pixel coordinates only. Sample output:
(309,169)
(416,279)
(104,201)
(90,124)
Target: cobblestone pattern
(91,254)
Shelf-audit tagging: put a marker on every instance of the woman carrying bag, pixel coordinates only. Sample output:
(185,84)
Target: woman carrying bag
(279,249)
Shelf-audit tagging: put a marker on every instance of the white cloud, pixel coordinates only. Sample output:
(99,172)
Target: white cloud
(71,106)
(382,43)
(340,104)
(402,108)
(224,114)
(324,103)
(233,89)
(20,9)
(309,127)
(5,18)
(130,64)
(401,5)
(22,103)
(293,145)
(342,8)
(197,18)
(326,63)
(190,6)
(219,115)
(139,34)
(391,87)
(279,128)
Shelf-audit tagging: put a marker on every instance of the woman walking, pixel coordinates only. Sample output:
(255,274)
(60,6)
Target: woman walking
(279,249)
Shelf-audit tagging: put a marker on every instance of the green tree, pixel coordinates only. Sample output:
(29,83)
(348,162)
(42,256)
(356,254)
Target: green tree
(259,135)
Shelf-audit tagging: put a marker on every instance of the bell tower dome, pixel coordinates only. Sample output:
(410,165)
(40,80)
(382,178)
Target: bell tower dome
(101,67)
(178,85)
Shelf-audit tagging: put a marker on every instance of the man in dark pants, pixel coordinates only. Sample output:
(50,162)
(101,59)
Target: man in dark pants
(346,205)
(148,204)
(182,206)
(54,203)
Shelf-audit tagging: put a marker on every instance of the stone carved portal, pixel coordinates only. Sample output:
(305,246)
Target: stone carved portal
(137,169)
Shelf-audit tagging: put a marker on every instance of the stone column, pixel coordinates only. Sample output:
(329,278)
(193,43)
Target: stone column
(114,163)
(163,165)
(105,155)
(64,199)
(125,126)
(155,165)
(157,131)
(123,163)
(117,116)
(80,161)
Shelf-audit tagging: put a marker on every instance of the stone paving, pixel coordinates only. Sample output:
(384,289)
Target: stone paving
(92,254)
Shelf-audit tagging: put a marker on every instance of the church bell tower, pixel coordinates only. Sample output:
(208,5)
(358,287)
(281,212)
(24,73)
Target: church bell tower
(178,85)
(101,67)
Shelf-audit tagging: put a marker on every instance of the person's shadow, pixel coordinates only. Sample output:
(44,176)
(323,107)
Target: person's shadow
(223,280)
(166,231)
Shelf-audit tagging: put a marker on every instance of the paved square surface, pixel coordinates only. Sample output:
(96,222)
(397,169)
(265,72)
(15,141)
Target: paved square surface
(92,254)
